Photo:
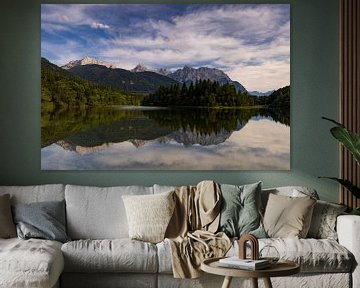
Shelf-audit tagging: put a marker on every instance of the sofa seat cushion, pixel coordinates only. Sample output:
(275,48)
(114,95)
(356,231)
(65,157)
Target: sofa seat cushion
(30,263)
(110,255)
(313,255)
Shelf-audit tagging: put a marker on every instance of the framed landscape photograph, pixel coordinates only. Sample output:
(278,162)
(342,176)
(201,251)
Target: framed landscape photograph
(165,87)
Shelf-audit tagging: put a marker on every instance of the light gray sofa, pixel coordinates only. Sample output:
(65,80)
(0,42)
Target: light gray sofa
(101,254)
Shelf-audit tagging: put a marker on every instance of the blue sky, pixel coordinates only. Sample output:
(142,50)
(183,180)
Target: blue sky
(251,43)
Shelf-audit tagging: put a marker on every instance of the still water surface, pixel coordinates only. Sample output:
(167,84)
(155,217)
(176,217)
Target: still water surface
(140,138)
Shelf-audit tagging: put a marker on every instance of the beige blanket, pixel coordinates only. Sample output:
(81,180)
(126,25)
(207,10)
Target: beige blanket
(191,231)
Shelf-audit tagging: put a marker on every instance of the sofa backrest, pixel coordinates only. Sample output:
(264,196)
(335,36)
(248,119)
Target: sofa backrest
(36,193)
(163,188)
(98,212)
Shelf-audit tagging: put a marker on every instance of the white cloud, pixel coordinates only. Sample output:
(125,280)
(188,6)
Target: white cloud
(240,41)
(250,43)
(59,17)
(262,77)
(98,25)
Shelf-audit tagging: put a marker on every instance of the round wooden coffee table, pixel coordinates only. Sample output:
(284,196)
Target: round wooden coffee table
(281,268)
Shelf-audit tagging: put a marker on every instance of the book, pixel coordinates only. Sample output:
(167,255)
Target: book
(249,264)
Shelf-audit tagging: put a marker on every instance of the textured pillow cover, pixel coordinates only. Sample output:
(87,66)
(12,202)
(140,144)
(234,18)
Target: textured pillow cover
(43,220)
(288,217)
(240,213)
(149,215)
(323,222)
(7,226)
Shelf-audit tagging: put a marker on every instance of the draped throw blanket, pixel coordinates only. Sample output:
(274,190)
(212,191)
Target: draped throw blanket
(191,231)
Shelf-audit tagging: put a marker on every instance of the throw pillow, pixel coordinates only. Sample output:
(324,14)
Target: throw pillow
(323,222)
(240,213)
(7,226)
(288,217)
(44,220)
(149,215)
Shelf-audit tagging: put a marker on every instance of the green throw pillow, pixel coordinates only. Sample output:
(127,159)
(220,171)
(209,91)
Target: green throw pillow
(240,213)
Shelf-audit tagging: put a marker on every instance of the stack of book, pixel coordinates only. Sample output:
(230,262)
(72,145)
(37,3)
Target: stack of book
(236,262)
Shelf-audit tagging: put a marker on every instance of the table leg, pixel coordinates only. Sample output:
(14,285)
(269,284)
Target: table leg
(267,283)
(254,282)
(227,282)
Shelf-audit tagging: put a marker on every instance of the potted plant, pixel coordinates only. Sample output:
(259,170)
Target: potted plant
(351,141)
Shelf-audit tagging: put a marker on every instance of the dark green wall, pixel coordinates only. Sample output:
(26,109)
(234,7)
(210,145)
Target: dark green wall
(314,84)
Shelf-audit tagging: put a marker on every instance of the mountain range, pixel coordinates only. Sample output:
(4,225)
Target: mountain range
(141,78)
(86,61)
(121,79)
(189,74)
(257,93)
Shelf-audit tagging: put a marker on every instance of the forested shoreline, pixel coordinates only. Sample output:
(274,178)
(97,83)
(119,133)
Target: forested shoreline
(205,93)
(60,89)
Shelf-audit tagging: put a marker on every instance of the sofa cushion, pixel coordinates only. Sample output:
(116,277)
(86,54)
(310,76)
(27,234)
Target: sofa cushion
(98,213)
(7,226)
(43,220)
(164,257)
(313,255)
(240,210)
(291,191)
(323,222)
(287,216)
(149,215)
(30,263)
(36,193)
(116,255)
(163,188)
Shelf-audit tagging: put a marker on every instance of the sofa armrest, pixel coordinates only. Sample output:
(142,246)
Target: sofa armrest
(348,230)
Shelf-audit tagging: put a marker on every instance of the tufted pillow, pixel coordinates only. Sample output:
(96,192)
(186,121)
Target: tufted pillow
(149,215)
(7,226)
(240,213)
(288,217)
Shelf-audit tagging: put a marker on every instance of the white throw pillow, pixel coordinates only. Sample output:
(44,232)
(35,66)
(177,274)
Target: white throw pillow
(149,215)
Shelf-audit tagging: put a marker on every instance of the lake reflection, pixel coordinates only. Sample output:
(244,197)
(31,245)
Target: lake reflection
(173,139)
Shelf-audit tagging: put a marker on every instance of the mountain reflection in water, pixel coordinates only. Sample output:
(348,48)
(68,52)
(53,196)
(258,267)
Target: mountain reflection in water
(171,139)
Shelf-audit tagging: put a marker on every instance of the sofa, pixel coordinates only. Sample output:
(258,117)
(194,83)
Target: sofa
(99,252)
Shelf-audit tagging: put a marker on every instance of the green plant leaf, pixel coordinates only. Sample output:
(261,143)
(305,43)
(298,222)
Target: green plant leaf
(355,211)
(349,139)
(348,185)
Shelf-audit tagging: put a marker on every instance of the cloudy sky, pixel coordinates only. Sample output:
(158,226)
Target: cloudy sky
(251,43)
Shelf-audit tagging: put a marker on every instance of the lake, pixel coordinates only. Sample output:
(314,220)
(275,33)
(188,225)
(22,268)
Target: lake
(153,138)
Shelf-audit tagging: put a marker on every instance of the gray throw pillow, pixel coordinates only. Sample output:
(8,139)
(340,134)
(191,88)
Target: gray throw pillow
(7,226)
(323,222)
(44,220)
(240,213)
